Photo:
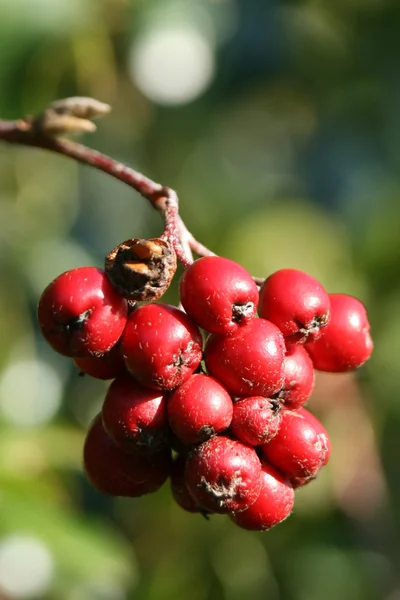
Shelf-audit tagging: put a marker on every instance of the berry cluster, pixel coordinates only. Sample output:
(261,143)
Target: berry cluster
(224,418)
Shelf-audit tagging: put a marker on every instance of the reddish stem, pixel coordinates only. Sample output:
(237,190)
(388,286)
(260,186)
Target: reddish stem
(160,197)
(28,132)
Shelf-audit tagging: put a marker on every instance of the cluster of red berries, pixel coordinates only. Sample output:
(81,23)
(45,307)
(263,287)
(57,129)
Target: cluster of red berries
(223,418)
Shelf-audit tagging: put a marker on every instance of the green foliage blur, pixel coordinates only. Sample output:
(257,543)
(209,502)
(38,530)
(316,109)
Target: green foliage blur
(278,123)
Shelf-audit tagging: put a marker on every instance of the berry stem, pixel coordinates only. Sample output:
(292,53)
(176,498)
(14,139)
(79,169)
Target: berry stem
(26,132)
(38,132)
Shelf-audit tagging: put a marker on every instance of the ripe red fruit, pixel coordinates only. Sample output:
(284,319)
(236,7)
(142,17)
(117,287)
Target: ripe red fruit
(161,346)
(320,429)
(298,377)
(80,314)
(112,471)
(273,505)
(250,361)
(346,343)
(199,408)
(256,420)
(297,450)
(108,366)
(223,475)
(135,417)
(297,303)
(218,294)
(179,488)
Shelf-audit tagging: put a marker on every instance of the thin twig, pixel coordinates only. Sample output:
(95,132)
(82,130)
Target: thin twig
(163,199)
(39,133)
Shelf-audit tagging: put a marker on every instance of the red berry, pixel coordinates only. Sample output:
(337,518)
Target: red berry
(135,417)
(320,429)
(108,366)
(199,408)
(223,475)
(297,450)
(218,294)
(250,361)
(346,343)
(273,505)
(80,314)
(299,377)
(326,443)
(179,488)
(112,471)
(296,302)
(161,346)
(256,420)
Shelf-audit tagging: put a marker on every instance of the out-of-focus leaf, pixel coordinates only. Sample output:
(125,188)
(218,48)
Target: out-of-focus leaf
(30,451)
(83,549)
(296,234)
(319,571)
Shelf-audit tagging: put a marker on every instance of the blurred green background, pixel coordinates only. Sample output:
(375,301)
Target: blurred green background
(278,123)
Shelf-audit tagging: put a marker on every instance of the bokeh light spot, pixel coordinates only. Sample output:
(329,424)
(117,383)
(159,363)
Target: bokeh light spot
(172,64)
(30,392)
(26,567)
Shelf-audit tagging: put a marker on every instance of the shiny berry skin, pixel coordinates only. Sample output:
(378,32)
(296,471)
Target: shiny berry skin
(218,294)
(161,346)
(179,489)
(223,475)
(111,471)
(135,417)
(108,366)
(320,429)
(80,314)
(256,420)
(199,408)
(297,303)
(273,505)
(299,377)
(346,343)
(250,361)
(297,450)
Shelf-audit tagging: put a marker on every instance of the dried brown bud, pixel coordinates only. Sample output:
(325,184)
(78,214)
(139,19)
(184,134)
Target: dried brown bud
(141,269)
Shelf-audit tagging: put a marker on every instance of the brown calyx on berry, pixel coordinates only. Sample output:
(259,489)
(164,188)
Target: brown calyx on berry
(141,269)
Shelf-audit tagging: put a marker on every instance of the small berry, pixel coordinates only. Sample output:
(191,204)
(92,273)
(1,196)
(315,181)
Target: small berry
(297,303)
(161,346)
(179,489)
(108,366)
(223,475)
(250,361)
(346,343)
(80,314)
(111,471)
(218,294)
(297,450)
(135,417)
(320,429)
(256,420)
(273,505)
(299,377)
(199,408)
